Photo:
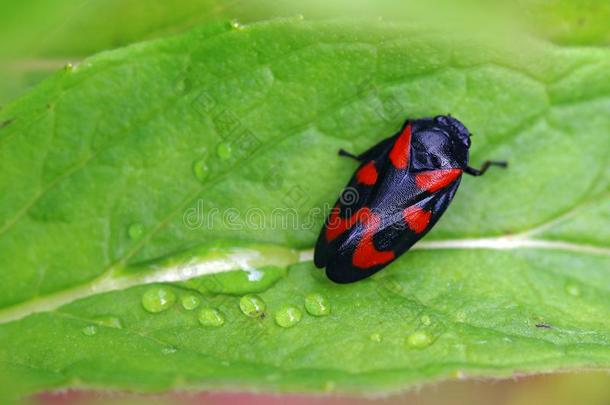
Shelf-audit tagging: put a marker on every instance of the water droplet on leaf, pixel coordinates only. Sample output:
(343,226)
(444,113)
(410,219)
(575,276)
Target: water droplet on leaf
(169,350)
(419,340)
(135,231)
(190,302)
(89,330)
(158,299)
(211,317)
(317,304)
(287,317)
(224,151)
(239,282)
(254,274)
(236,25)
(252,305)
(200,169)
(109,322)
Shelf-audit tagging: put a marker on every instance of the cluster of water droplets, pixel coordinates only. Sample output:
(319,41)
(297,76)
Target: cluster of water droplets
(161,298)
(201,167)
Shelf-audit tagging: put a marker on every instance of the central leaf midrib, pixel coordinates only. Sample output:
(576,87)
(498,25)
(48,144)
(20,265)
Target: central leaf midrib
(110,281)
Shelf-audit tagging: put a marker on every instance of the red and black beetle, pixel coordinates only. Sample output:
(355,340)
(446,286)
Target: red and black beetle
(401,189)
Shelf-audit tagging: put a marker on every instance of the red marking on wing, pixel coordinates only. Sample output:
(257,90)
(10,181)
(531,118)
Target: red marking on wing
(336,225)
(416,218)
(366,254)
(399,155)
(367,174)
(435,180)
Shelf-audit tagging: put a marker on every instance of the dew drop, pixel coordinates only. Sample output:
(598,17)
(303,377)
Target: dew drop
(254,274)
(375,337)
(252,305)
(135,231)
(158,299)
(190,302)
(419,340)
(224,151)
(68,67)
(425,320)
(317,304)
(211,317)
(573,290)
(236,25)
(169,350)
(109,322)
(200,169)
(289,316)
(89,330)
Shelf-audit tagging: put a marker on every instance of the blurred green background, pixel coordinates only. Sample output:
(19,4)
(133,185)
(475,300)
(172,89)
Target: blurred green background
(559,389)
(37,37)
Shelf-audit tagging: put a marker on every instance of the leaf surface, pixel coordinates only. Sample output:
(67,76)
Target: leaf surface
(216,150)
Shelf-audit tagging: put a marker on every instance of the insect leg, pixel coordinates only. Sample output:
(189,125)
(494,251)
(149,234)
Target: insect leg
(347,154)
(479,172)
(373,153)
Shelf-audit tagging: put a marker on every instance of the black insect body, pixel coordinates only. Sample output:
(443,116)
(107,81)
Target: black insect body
(401,189)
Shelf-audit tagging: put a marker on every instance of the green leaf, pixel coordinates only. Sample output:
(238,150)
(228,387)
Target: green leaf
(153,166)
